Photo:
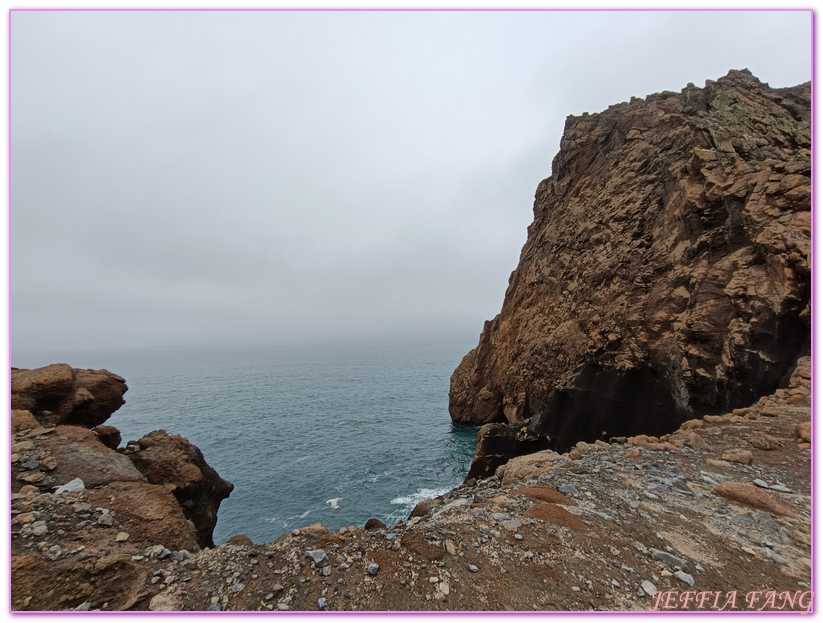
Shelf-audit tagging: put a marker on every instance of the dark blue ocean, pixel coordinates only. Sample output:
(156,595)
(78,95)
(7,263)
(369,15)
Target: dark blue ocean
(335,434)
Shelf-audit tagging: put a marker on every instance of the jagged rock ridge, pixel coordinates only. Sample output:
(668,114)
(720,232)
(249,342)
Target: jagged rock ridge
(666,274)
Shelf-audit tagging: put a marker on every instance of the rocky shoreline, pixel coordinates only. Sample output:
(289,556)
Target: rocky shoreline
(660,313)
(715,516)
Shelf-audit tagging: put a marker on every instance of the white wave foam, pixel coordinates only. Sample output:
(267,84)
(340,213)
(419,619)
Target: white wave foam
(419,496)
(334,502)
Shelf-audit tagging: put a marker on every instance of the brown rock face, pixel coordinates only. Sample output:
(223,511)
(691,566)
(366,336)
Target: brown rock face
(22,420)
(80,454)
(666,273)
(172,461)
(109,436)
(60,394)
(149,513)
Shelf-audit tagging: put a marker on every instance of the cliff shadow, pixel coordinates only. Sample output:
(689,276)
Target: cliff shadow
(602,402)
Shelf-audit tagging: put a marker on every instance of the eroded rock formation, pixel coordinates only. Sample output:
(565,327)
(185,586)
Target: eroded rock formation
(172,461)
(159,493)
(60,394)
(666,273)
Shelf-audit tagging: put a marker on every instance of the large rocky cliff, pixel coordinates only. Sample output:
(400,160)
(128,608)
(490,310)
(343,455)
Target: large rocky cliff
(666,273)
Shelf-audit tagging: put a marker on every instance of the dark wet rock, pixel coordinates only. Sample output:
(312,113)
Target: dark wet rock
(497,443)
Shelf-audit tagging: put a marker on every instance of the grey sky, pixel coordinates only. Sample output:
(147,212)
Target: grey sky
(182,178)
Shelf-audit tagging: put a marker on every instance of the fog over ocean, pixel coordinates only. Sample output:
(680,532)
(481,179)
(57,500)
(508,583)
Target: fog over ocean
(335,434)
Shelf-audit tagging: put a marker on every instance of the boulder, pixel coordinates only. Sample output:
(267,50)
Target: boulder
(80,454)
(666,274)
(422,508)
(804,431)
(108,435)
(22,420)
(743,457)
(59,394)
(178,465)
(374,524)
(528,465)
(497,443)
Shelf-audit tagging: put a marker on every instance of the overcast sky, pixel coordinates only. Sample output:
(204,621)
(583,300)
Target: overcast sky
(236,178)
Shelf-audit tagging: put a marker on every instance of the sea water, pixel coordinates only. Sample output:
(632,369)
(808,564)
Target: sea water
(332,434)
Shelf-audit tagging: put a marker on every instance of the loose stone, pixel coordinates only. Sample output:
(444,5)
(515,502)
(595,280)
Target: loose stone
(568,489)
(667,557)
(770,553)
(319,558)
(684,577)
(72,485)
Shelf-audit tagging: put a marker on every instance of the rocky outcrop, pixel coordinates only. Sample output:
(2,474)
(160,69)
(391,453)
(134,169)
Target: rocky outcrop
(666,273)
(637,524)
(60,394)
(85,513)
(78,453)
(172,461)
(497,443)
